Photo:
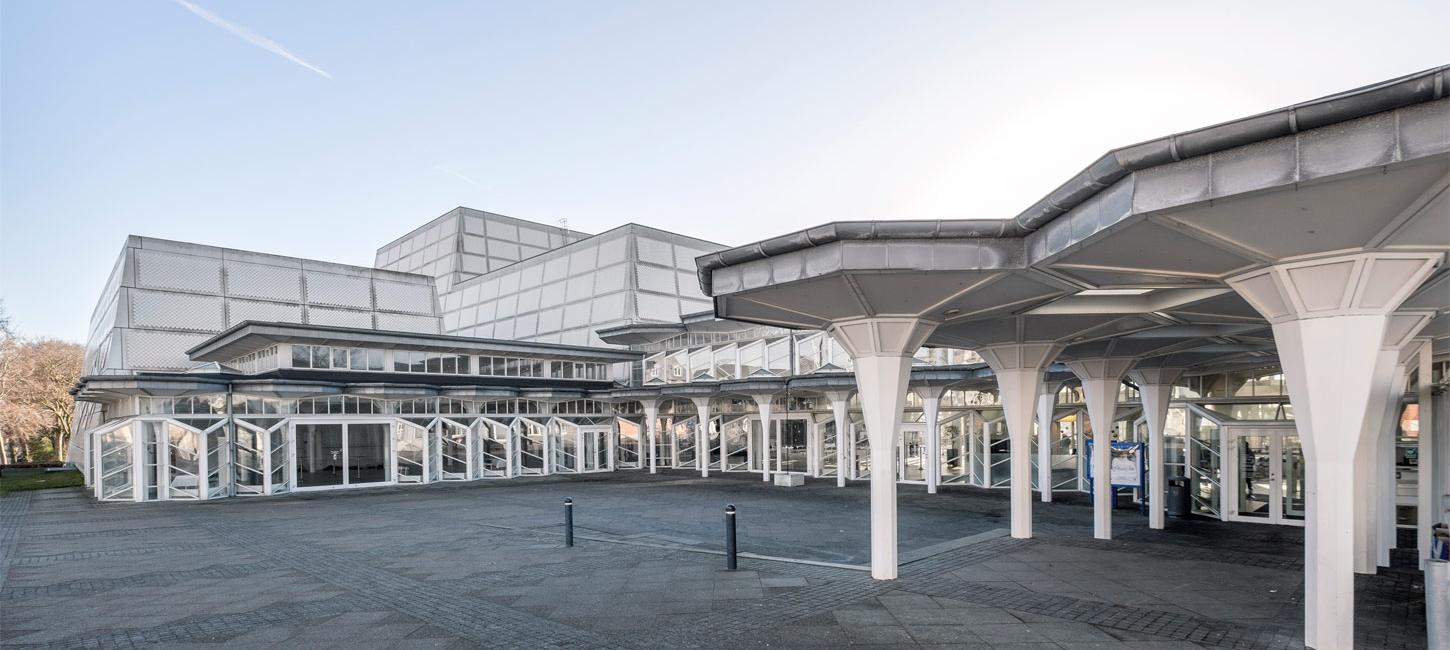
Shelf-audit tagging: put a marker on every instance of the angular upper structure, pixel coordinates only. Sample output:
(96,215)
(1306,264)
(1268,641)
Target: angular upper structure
(164,297)
(466,243)
(629,275)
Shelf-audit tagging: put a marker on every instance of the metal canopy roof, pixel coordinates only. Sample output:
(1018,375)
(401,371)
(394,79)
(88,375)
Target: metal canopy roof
(250,336)
(1328,176)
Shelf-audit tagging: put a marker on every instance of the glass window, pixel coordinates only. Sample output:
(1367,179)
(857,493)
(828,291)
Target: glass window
(357,359)
(320,357)
(725,361)
(752,358)
(375,360)
(778,356)
(701,366)
(301,356)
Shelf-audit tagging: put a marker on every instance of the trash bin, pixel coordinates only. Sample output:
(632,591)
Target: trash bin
(1177,497)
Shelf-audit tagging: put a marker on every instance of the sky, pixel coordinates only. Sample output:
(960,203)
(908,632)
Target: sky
(325,129)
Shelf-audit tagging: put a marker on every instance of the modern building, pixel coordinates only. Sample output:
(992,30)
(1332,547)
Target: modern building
(1261,307)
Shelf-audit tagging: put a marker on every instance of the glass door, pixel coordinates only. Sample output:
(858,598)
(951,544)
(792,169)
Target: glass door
(367,452)
(791,440)
(319,455)
(911,454)
(594,448)
(1256,476)
(1267,476)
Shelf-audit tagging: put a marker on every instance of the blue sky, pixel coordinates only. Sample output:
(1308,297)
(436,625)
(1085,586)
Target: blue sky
(726,121)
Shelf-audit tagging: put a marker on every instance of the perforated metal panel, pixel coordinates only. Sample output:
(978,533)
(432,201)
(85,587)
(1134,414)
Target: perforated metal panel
(158,270)
(275,312)
(396,296)
(176,311)
(339,290)
(152,350)
(408,323)
(339,317)
(264,281)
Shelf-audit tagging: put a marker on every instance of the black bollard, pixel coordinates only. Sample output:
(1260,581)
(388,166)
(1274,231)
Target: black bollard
(568,521)
(730,537)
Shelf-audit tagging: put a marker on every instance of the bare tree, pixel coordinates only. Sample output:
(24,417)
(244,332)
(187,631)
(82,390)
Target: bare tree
(35,402)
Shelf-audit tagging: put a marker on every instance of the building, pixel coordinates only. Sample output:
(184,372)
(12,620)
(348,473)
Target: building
(1261,307)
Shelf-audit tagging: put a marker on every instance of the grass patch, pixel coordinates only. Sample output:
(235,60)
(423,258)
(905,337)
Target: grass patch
(16,480)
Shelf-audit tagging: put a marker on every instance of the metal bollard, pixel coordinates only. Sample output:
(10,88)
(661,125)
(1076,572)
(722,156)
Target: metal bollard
(1437,603)
(730,537)
(568,521)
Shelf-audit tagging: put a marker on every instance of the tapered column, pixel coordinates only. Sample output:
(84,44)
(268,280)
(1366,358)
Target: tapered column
(702,434)
(845,445)
(1155,387)
(1019,367)
(1429,464)
(1368,476)
(1383,461)
(1330,317)
(762,407)
(651,430)
(1101,379)
(881,349)
(931,411)
(1046,408)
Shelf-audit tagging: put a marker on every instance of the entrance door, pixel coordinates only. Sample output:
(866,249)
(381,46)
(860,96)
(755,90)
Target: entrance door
(911,454)
(791,440)
(333,454)
(1266,481)
(595,448)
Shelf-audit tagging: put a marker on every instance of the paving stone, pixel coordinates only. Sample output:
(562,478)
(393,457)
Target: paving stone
(482,565)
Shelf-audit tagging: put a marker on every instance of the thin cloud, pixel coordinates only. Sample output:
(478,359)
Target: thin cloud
(250,37)
(450,172)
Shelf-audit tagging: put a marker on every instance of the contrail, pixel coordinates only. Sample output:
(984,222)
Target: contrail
(250,36)
(446,170)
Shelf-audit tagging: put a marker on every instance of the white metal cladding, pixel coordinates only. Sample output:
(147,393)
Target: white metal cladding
(411,298)
(407,323)
(339,317)
(159,350)
(255,310)
(167,286)
(176,311)
(160,270)
(264,281)
(339,290)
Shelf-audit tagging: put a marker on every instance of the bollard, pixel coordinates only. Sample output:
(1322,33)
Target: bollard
(730,537)
(1437,603)
(568,521)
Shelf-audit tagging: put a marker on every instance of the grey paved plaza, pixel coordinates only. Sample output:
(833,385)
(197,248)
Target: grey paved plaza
(483,565)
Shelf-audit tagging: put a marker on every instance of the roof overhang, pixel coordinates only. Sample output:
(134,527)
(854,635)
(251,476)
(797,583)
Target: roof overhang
(250,336)
(1166,233)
